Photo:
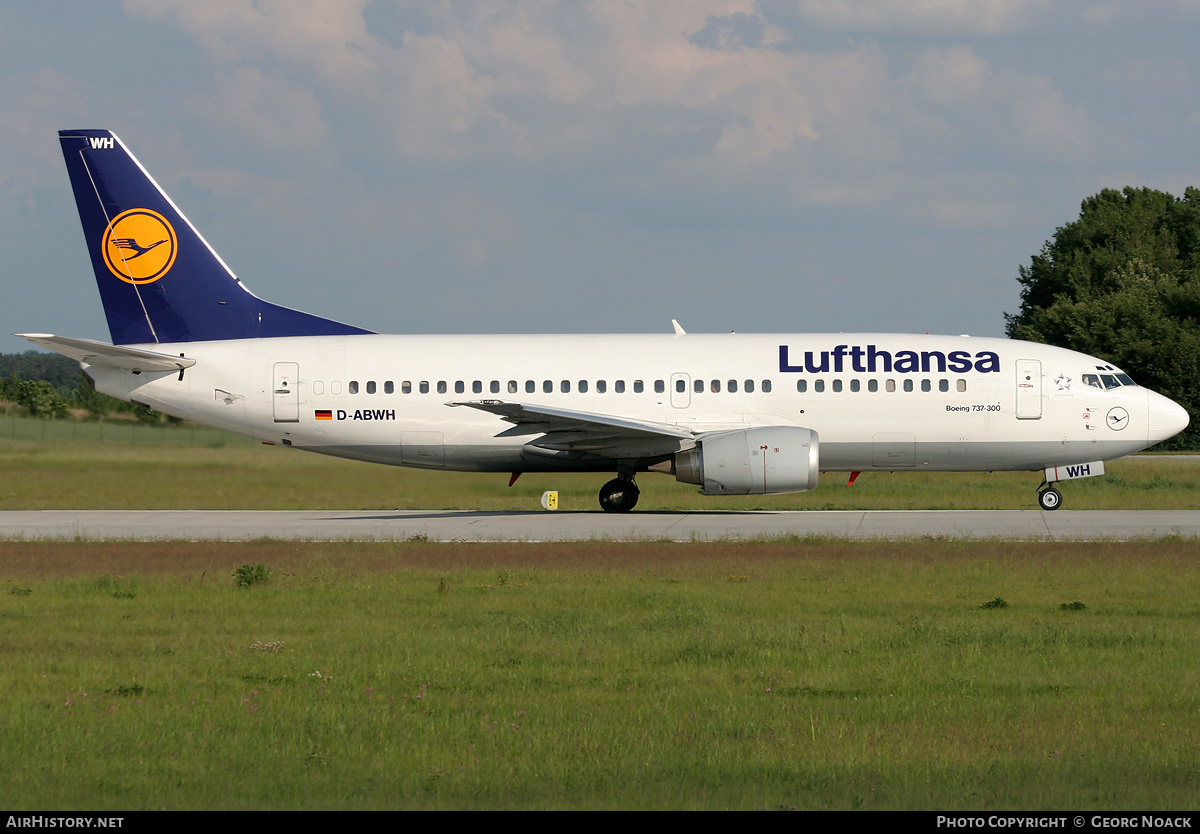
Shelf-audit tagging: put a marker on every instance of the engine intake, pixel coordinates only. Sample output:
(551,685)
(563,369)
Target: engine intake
(761,461)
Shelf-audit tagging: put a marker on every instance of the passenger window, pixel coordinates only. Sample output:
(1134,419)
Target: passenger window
(715,386)
(565,386)
(406,387)
(819,386)
(749,386)
(424,386)
(837,386)
(961,385)
(619,386)
(477,387)
(547,386)
(512,386)
(943,385)
(353,387)
(601,386)
(908,385)
(459,386)
(638,387)
(766,386)
(494,386)
(335,387)
(802,385)
(854,385)
(441,386)
(890,386)
(872,385)
(371,386)
(318,387)
(680,386)
(530,386)
(698,386)
(582,386)
(389,387)
(926,385)
(731,386)
(659,386)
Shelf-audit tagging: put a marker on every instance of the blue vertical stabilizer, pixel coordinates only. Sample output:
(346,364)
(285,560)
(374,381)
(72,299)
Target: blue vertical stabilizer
(159,280)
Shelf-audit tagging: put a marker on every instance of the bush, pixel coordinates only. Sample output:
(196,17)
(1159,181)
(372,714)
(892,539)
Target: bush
(247,575)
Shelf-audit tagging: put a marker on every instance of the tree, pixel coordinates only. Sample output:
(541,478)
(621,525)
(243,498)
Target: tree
(48,385)
(1123,283)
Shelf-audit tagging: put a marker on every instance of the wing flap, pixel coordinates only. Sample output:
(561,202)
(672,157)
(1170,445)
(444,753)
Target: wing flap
(563,429)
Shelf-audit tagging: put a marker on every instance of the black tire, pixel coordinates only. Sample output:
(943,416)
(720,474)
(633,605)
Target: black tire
(619,496)
(1050,499)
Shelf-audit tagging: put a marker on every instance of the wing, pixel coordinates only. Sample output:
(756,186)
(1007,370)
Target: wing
(565,430)
(112,356)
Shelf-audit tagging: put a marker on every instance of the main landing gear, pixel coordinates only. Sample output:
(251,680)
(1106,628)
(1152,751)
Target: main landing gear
(620,495)
(1049,498)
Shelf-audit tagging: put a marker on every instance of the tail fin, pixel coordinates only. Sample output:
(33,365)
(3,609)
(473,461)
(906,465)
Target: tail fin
(159,280)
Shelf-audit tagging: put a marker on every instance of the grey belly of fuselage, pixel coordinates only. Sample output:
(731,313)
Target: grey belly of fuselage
(890,453)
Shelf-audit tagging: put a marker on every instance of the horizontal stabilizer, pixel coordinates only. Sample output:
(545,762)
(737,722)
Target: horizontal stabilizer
(111,356)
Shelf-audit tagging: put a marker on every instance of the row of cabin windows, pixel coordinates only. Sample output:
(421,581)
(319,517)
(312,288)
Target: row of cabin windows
(547,386)
(565,386)
(889,385)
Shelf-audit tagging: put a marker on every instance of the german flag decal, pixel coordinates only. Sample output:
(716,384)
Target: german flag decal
(324,415)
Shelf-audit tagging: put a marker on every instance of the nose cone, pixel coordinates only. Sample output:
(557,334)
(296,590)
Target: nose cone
(1167,417)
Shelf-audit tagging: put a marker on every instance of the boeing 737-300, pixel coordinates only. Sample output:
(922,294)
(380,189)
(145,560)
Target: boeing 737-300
(731,413)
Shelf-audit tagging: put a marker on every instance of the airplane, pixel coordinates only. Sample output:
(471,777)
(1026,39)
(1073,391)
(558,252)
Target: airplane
(735,414)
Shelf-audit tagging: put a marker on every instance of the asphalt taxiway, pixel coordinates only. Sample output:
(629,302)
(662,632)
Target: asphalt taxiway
(461,525)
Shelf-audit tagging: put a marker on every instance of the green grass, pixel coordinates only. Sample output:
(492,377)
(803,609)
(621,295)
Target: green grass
(814,675)
(128,466)
(735,676)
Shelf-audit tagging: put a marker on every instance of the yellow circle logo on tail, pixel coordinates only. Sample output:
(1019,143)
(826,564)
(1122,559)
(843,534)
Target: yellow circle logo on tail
(139,246)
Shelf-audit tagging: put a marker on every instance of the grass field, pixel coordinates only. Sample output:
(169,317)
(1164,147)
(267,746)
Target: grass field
(812,675)
(71,465)
(802,674)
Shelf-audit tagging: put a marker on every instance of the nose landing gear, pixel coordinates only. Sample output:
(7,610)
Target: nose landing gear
(1049,498)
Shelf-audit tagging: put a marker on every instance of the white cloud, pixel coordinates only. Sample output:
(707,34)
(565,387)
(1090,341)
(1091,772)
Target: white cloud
(274,112)
(1043,123)
(949,76)
(959,18)
(36,106)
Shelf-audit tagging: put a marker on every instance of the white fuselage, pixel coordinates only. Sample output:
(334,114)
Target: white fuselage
(877,401)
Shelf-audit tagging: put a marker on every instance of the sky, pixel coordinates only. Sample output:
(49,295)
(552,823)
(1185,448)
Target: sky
(564,167)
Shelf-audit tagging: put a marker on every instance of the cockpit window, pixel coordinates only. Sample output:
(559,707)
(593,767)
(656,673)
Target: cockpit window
(1107,382)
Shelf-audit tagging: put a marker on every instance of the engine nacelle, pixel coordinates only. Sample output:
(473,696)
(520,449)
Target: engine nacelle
(762,461)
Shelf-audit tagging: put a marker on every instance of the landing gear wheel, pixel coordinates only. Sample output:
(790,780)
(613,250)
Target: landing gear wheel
(619,496)
(1050,499)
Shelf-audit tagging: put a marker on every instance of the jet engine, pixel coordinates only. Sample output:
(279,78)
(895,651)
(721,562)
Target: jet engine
(761,461)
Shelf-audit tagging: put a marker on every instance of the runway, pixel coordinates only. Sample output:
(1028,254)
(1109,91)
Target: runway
(462,525)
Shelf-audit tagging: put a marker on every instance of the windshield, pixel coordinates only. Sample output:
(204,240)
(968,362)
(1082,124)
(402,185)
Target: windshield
(1106,382)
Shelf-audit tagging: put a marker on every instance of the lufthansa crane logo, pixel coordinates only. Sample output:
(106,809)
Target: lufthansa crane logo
(1117,418)
(139,246)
